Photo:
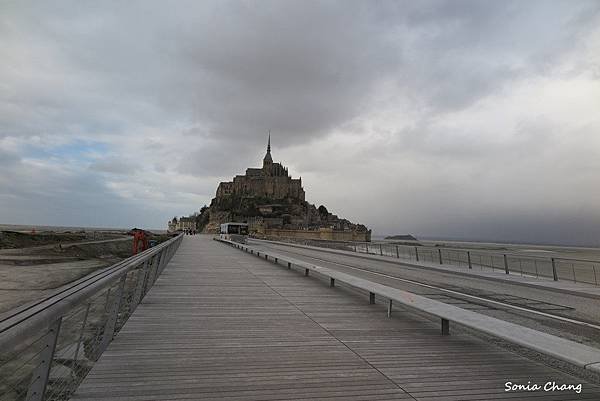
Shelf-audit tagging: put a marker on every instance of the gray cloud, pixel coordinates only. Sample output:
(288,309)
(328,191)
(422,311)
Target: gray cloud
(478,109)
(114,166)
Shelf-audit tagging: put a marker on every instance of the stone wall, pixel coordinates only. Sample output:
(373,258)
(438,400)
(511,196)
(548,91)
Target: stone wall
(326,234)
(263,185)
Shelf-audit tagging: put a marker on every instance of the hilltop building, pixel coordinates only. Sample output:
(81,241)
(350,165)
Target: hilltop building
(273,205)
(271,181)
(182,224)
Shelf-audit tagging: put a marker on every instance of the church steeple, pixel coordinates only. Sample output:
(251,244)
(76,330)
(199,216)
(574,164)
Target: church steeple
(268,159)
(269,143)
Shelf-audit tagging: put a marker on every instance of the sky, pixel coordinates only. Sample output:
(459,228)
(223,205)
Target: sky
(449,119)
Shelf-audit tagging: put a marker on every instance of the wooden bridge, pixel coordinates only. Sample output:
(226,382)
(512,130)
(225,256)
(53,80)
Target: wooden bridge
(222,324)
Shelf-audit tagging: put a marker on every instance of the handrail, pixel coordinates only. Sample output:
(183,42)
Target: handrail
(52,307)
(498,253)
(557,268)
(61,290)
(73,324)
(581,355)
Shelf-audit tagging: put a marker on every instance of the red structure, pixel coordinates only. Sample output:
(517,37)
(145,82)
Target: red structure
(140,240)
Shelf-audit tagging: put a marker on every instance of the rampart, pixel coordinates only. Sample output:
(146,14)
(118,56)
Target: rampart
(327,234)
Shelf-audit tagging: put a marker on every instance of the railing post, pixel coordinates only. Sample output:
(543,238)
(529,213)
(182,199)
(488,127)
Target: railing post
(161,265)
(371,298)
(111,322)
(331,282)
(389,309)
(397,252)
(107,300)
(554,274)
(506,264)
(137,295)
(417,253)
(445,327)
(380,249)
(39,378)
(152,272)
(82,332)
(469,259)
(173,248)
(168,251)
(440,254)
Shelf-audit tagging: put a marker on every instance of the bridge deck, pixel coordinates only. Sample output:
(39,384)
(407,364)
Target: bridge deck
(221,324)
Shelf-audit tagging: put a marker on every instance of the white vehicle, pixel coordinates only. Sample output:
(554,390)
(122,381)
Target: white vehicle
(234,232)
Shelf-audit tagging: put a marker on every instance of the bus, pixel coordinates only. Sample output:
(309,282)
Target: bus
(234,232)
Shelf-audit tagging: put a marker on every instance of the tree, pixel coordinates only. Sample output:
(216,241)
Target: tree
(323,211)
(202,218)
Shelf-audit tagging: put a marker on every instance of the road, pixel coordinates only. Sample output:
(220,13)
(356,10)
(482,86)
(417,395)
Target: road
(494,298)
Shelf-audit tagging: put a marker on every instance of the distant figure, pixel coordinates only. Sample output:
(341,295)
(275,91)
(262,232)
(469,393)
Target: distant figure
(140,240)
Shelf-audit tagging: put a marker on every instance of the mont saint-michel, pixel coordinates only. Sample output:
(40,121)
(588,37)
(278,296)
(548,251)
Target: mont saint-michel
(273,205)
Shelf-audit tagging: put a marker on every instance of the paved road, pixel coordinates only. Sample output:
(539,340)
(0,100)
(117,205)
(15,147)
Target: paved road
(575,307)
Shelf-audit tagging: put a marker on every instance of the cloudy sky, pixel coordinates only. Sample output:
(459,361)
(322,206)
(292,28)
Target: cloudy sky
(444,119)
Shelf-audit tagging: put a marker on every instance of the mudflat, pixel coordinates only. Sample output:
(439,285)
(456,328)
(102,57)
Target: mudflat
(37,263)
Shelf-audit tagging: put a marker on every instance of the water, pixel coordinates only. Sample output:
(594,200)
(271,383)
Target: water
(564,251)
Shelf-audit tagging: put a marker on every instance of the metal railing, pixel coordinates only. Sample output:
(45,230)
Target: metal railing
(48,346)
(556,268)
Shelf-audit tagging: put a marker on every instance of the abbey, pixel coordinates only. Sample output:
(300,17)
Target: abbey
(273,205)
(271,181)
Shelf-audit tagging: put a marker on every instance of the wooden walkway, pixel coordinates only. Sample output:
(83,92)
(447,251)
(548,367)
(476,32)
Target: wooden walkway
(221,324)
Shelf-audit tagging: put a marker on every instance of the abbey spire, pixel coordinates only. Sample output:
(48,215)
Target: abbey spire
(268,159)
(269,143)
